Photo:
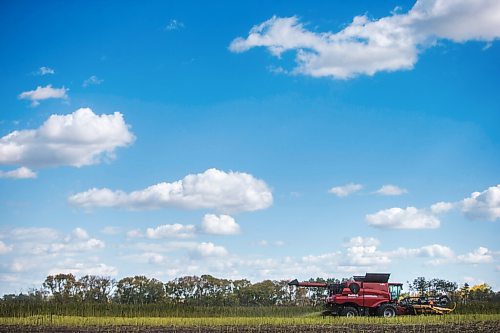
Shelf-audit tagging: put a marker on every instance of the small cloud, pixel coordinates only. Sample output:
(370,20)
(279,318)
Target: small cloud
(361,241)
(174,25)
(92,81)
(403,218)
(220,225)
(20,173)
(442,207)
(45,71)
(483,205)
(43,93)
(265,243)
(80,234)
(208,250)
(345,190)
(277,70)
(391,190)
(136,233)
(479,256)
(33,233)
(171,230)
(78,268)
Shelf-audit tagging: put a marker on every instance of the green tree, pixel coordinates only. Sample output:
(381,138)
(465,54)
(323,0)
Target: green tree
(139,290)
(96,288)
(62,287)
(481,292)
(420,285)
(184,289)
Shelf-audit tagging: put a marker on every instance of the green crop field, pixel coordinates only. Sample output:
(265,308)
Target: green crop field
(313,319)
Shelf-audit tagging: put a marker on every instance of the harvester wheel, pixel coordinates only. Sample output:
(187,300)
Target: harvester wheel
(387,310)
(327,313)
(349,311)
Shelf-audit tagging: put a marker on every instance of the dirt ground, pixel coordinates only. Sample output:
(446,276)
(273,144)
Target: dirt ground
(462,328)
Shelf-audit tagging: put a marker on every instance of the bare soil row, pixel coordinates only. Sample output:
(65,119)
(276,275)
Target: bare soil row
(475,327)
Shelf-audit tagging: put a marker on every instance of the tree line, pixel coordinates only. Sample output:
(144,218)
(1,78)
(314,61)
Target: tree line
(207,290)
(463,294)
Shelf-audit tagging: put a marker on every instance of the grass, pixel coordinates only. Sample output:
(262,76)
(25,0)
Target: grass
(316,319)
(27,309)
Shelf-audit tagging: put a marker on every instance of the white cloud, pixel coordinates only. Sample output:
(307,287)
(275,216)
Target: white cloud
(277,70)
(79,234)
(174,24)
(163,247)
(479,256)
(345,190)
(432,251)
(362,241)
(209,250)
(43,93)
(78,241)
(442,207)
(47,241)
(483,205)
(77,139)
(398,218)
(27,234)
(171,230)
(82,269)
(4,248)
(45,71)
(367,46)
(391,190)
(19,173)
(436,250)
(365,256)
(265,243)
(220,225)
(76,245)
(363,252)
(18,265)
(215,189)
(146,258)
(92,81)
(135,233)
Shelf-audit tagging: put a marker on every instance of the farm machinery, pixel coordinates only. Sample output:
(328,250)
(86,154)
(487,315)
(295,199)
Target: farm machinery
(373,295)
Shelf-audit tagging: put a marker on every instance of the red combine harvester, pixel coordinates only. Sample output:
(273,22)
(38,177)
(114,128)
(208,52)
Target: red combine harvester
(371,295)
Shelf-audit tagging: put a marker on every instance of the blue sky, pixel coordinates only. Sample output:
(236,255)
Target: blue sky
(291,140)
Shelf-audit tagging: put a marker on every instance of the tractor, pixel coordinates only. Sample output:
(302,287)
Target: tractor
(373,295)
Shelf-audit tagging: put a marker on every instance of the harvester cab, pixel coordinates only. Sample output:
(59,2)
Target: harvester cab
(395,291)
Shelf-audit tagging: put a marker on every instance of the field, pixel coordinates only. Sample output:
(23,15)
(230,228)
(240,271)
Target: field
(309,323)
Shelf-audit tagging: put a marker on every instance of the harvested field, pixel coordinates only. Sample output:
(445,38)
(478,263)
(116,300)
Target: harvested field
(493,326)
(412,324)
